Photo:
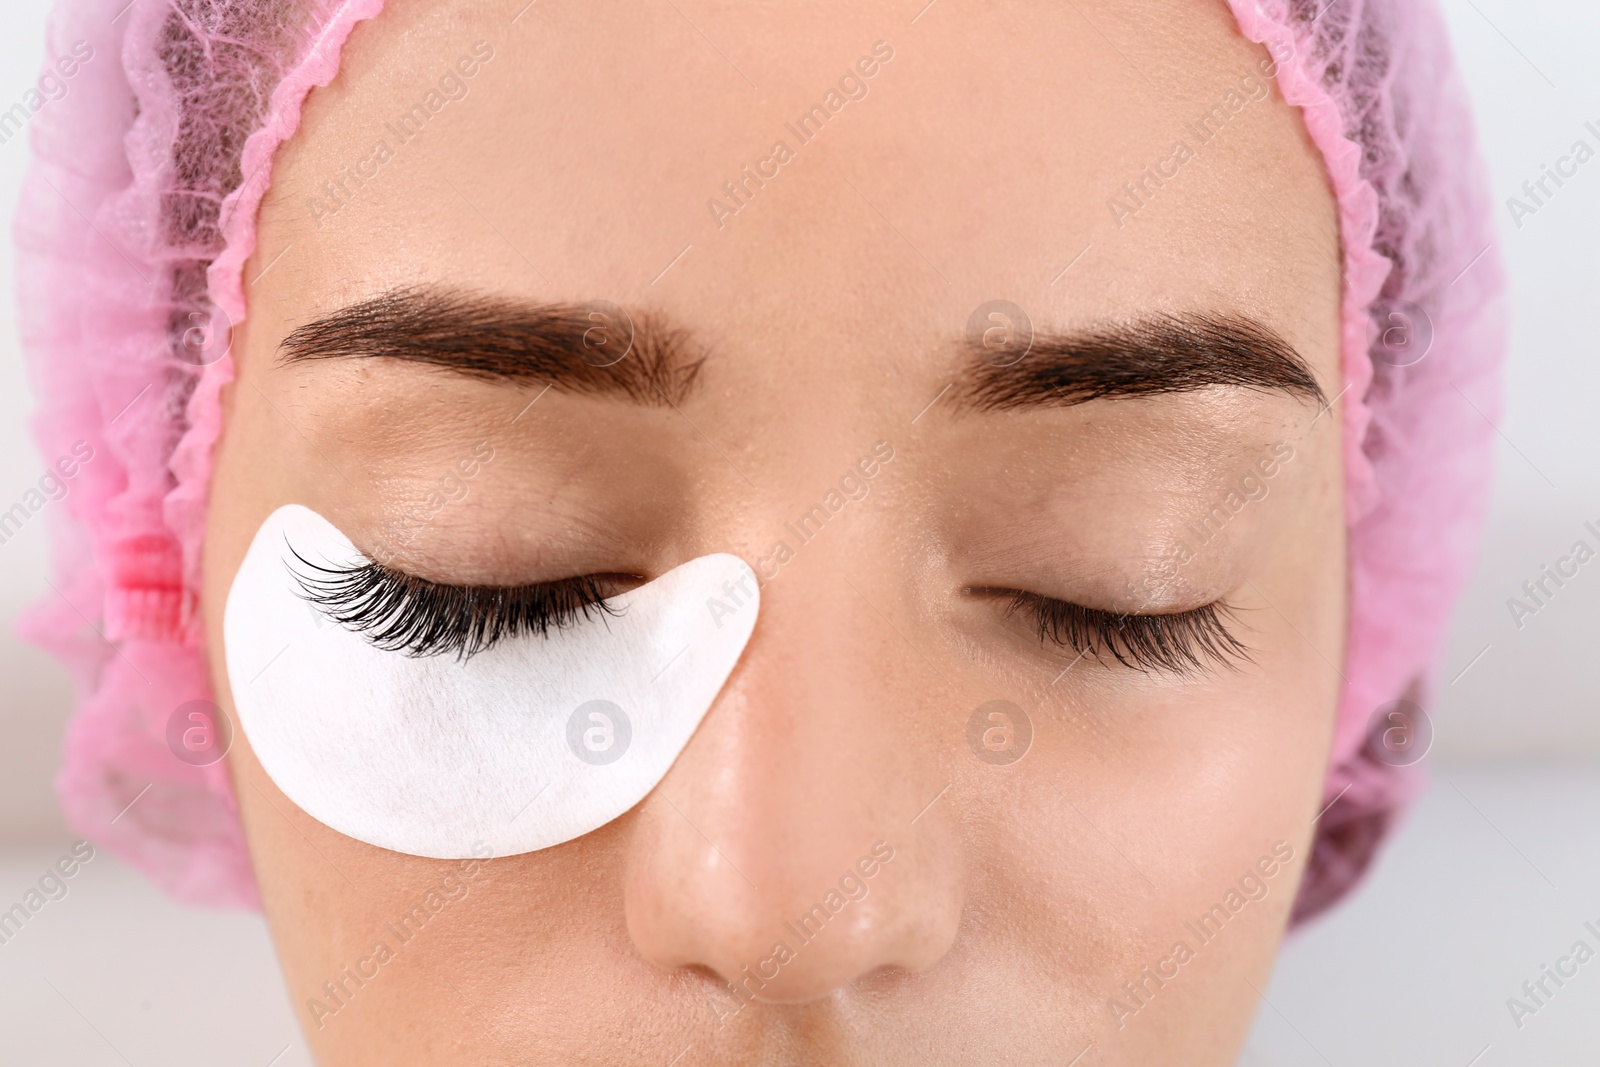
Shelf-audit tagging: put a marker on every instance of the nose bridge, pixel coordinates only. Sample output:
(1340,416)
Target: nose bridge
(780,853)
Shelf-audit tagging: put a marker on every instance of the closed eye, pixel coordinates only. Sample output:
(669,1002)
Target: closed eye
(1184,642)
(400,612)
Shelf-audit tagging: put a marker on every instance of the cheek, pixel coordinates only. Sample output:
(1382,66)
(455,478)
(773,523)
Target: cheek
(1140,806)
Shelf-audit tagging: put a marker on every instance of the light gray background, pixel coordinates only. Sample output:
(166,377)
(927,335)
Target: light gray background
(1493,875)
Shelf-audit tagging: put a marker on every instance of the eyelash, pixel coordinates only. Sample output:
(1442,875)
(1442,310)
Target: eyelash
(1184,642)
(398,612)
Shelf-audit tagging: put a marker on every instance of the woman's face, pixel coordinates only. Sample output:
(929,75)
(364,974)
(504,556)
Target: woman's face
(1106,867)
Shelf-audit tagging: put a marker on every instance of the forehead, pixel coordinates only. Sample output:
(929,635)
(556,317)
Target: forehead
(739,166)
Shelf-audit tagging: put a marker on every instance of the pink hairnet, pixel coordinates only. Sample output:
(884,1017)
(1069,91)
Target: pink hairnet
(139,214)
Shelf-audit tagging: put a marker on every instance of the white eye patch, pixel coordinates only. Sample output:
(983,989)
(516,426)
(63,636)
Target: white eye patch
(536,740)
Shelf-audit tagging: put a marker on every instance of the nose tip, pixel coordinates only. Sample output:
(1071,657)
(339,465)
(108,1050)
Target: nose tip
(772,943)
(868,921)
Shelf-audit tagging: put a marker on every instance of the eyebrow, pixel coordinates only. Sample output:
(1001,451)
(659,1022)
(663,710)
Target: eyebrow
(499,339)
(1149,356)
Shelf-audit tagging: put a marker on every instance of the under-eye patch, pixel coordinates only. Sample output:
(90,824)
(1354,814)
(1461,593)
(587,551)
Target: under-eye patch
(543,735)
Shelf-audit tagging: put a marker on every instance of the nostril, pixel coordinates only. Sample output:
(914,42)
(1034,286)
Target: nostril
(712,988)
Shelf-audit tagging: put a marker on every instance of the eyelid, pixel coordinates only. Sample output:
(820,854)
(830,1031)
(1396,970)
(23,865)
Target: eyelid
(401,612)
(1182,642)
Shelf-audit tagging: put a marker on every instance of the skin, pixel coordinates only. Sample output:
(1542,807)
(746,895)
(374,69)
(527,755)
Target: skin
(1020,897)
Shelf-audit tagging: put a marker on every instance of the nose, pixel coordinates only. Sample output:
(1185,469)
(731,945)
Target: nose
(792,848)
